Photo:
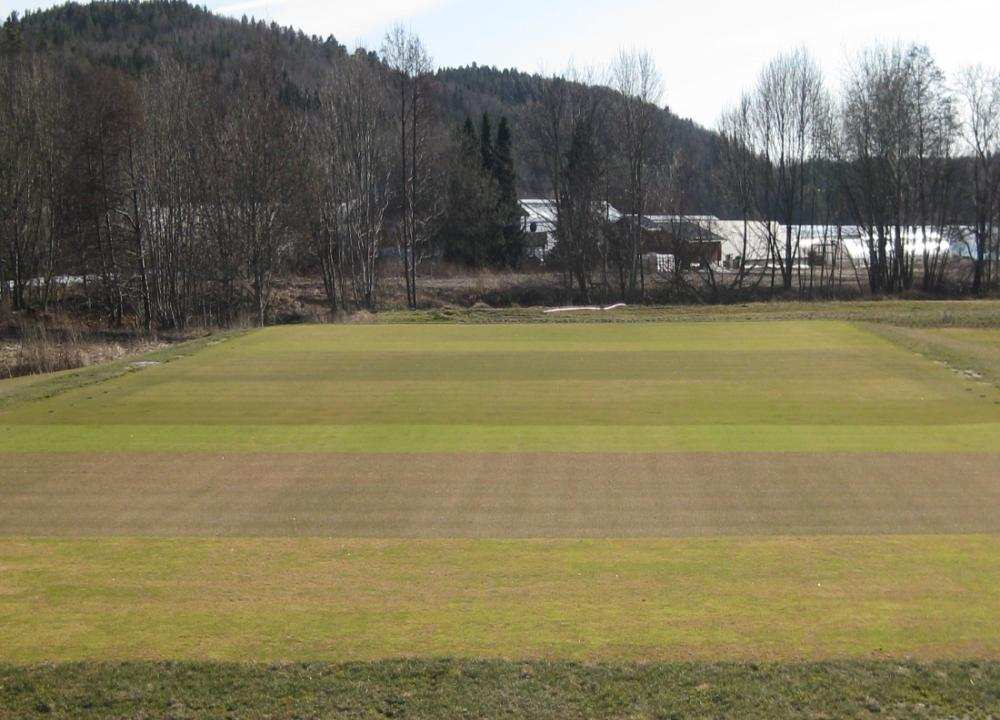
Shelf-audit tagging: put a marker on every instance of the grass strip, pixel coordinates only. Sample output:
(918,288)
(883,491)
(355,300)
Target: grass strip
(492,689)
(490,495)
(403,438)
(911,313)
(972,353)
(930,597)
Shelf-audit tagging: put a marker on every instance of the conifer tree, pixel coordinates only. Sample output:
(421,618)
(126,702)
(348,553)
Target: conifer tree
(469,231)
(503,169)
(508,208)
(486,144)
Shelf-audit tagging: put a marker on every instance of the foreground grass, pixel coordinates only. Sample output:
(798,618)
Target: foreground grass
(157,446)
(485,689)
(273,599)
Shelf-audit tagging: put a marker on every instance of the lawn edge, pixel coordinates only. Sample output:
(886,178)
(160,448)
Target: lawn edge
(911,313)
(446,688)
(44,386)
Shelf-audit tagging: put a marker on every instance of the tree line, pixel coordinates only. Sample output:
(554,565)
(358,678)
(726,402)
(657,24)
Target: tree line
(900,158)
(178,194)
(898,153)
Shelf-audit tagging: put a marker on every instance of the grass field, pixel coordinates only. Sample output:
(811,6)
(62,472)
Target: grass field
(747,491)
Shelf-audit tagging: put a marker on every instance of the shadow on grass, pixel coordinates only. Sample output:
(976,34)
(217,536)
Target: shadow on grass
(493,689)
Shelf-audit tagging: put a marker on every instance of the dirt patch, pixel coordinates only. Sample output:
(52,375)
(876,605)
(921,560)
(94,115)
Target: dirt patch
(498,495)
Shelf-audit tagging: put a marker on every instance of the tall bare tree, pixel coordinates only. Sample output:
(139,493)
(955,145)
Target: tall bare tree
(406,57)
(896,132)
(935,129)
(177,145)
(739,171)
(259,178)
(635,76)
(786,109)
(23,180)
(980,89)
(364,176)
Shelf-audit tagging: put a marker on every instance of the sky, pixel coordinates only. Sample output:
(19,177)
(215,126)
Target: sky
(707,51)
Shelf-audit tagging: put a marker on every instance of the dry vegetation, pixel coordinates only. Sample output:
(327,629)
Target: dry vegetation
(34,348)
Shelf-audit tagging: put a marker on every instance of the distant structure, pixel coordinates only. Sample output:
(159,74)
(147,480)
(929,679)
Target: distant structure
(539,220)
(671,241)
(538,223)
(696,241)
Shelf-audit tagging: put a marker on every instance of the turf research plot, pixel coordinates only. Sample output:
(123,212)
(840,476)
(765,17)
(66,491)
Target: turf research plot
(787,490)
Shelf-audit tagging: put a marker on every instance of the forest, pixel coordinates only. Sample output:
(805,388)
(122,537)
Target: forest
(174,165)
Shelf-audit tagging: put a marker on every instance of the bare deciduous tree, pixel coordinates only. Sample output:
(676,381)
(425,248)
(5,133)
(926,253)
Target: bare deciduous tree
(259,178)
(786,109)
(25,176)
(896,131)
(363,139)
(739,171)
(407,58)
(635,76)
(935,129)
(980,90)
(568,130)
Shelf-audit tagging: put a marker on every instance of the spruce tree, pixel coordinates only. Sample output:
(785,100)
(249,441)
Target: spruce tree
(503,169)
(468,139)
(469,230)
(10,40)
(486,144)
(508,207)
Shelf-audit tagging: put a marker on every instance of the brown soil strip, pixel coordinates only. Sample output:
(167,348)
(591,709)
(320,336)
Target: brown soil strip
(498,495)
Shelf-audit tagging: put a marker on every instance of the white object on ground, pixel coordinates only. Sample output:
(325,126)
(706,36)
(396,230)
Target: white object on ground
(591,308)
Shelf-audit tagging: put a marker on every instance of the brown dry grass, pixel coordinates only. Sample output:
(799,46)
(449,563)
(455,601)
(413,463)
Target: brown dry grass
(35,348)
(498,495)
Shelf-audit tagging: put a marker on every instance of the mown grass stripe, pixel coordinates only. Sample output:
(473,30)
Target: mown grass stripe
(492,495)
(404,438)
(273,599)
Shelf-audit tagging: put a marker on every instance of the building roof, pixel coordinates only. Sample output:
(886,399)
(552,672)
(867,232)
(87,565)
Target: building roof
(693,228)
(544,212)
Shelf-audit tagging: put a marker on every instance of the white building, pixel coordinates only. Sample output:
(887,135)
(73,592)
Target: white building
(539,219)
(751,240)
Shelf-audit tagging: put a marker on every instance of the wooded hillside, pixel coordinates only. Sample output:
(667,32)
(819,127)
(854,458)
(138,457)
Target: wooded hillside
(134,36)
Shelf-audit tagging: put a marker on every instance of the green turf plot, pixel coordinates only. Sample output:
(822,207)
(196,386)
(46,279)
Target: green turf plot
(260,541)
(820,386)
(271,599)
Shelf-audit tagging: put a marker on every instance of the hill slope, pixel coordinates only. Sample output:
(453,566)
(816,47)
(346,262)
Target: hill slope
(475,89)
(133,36)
